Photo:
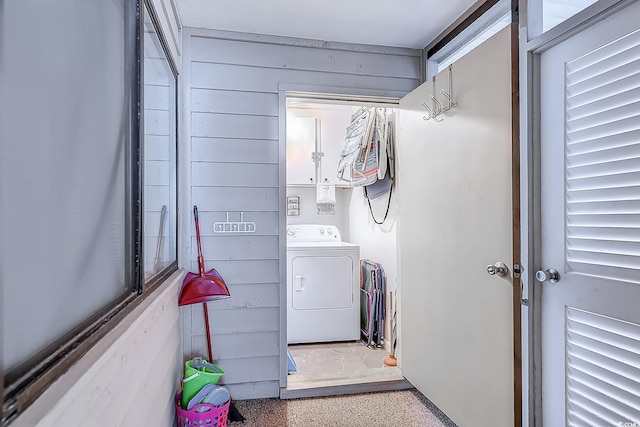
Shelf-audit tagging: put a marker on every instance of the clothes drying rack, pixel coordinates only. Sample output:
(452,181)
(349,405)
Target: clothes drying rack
(373,283)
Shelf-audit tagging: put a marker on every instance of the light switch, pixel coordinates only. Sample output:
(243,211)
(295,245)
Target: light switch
(293,206)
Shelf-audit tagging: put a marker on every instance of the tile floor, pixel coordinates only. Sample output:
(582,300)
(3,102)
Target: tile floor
(336,357)
(330,365)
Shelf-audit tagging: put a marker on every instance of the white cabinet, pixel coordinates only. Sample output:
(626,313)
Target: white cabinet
(331,145)
(302,136)
(309,160)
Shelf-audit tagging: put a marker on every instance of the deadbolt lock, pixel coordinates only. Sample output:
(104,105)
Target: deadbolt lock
(517,271)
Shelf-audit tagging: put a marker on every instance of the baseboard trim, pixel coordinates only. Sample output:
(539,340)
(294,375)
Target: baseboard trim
(339,390)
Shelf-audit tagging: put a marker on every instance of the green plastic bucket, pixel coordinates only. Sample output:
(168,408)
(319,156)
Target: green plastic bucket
(196,376)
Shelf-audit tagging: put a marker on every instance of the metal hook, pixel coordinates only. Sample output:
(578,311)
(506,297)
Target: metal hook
(436,105)
(446,95)
(449,95)
(429,110)
(438,108)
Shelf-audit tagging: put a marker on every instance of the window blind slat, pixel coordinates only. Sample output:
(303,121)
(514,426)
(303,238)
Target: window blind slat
(602,136)
(628,42)
(596,415)
(611,207)
(593,368)
(603,194)
(601,397)
(617,248)
(618,180)
(605,155)
(599,93)
(625,274)
(600,145)
(585,256)
(609,324)
(627,54)
(604,79)
(593,357)
(604,117)
(604,169)
(604,104)
(606,233)
(592,219)
(615,126)
(603,367)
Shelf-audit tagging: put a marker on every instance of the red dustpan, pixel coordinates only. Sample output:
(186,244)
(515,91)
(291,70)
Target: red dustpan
(203,287)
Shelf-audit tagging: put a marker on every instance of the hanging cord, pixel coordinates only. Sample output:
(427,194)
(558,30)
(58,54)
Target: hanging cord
(389,152)
(388,205)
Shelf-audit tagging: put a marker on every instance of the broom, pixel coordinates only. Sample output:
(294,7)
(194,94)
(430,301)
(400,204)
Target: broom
(203,287)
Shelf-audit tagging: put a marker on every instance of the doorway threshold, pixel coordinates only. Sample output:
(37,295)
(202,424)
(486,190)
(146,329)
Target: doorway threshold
(339,383)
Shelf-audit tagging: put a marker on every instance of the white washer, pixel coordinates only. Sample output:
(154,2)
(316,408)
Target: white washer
(323,285)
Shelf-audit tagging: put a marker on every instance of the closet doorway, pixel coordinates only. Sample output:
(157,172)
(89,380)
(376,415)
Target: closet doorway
(330,228)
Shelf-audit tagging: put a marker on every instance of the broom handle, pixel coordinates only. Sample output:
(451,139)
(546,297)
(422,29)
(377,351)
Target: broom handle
(201,269)
(206,322)
(200,257)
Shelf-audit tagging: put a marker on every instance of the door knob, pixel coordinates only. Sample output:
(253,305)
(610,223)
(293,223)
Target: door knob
(499,268)
(550,275)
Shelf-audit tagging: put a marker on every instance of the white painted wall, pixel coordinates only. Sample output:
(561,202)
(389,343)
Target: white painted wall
(377,242)
(309,210)
(128,379)
(234,162)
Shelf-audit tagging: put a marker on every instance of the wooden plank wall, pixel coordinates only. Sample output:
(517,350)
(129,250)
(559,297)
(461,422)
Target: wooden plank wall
(231,122)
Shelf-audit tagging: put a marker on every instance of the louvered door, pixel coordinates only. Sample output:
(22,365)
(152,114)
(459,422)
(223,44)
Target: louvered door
(590,225)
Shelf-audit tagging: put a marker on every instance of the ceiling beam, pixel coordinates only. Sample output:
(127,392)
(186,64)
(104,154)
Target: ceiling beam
(463,21)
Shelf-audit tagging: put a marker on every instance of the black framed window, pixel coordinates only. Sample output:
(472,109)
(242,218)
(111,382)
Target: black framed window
(83,180)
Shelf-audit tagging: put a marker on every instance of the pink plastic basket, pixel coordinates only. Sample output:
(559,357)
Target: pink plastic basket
(214,417)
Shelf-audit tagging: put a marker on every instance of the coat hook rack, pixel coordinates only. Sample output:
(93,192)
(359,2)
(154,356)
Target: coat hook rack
(437,107)
(241,226)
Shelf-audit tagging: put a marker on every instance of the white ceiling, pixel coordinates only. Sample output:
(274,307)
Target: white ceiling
(404,23)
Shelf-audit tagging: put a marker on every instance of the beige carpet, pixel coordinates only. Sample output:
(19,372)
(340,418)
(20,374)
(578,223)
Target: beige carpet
(406,408)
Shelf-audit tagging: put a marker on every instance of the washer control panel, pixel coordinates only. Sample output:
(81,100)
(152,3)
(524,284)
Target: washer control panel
(313,233)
